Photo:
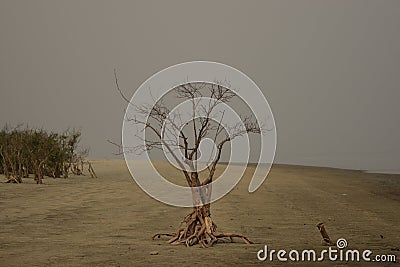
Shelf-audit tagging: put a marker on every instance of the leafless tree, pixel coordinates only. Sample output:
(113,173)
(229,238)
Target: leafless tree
(197,227)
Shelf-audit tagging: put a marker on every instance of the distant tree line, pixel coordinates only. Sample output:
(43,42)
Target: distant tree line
(27,151)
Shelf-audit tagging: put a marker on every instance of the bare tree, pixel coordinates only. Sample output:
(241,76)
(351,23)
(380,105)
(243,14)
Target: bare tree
(197,227)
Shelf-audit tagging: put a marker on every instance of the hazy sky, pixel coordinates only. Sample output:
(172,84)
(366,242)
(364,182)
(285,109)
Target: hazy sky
(329,69)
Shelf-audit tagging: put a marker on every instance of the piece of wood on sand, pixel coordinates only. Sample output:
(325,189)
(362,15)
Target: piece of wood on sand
(325,237)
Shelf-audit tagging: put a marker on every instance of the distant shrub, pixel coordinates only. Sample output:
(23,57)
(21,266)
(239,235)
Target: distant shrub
(34,151)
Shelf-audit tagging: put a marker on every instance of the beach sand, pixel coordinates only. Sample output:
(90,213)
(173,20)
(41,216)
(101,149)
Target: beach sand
(109,221)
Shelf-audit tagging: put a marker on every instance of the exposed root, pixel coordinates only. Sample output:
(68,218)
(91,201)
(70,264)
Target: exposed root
(198,228)
(13,180)
(231,235)
(158,235)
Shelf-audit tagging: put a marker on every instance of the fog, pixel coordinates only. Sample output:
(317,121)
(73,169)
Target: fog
(329,69)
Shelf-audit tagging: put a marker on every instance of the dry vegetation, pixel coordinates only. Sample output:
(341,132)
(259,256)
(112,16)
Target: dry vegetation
(25,152)
(185,137)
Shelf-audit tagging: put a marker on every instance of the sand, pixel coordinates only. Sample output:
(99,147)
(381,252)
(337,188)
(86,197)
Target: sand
(108,221)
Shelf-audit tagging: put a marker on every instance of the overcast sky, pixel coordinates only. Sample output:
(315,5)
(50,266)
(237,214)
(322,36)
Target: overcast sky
(329,69)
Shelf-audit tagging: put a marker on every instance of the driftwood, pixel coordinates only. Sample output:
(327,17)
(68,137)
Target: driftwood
(325,237)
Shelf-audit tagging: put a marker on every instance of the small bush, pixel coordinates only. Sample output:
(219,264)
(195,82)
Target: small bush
(25,152)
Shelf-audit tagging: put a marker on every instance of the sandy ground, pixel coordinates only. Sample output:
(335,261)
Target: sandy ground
(108,221)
